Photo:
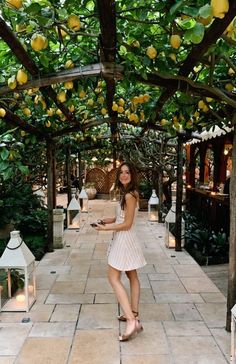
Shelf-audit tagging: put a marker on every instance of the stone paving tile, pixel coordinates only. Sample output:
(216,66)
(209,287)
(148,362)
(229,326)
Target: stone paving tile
(146,359)
(214,314)
(222,338)
(199,285)
(7,359)
(178,298)
(45,351)
(155,312)
(200,359)
(12,337)
(95,347)
(65,313)
(68,287)
(152,341)
(163,277)
(167,287)
(45,281)
(146,295)
(213,297)
(185,312)
(98,316)
(105,298)
(69,298)
(52,329)
(98,285)
(188,328)
(189,271)
(197,348)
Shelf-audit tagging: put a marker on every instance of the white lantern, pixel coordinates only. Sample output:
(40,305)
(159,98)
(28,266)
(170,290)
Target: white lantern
(20,285)
(233,319)
(84,200)
(169,225)
(153,207)
(73,214)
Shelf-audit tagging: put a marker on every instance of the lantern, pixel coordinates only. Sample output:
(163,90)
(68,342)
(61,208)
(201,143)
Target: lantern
(114,193)
(73,214)
(153,207)
(20,284)
(169,226)
(233,319)
(83,200)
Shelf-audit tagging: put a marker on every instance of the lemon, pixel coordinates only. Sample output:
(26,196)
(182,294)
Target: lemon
(101,100)
(146,97)
(175,41)
(38,42)
(26,111)
(50,111)
(61,97)
(205,21)
(15,4)
(164,122)
(229,87)
(2,112)
(12,83)
(69,64)
(151,52)
(71,108)
(48,124)
(82,94)
(21,77)
(120,109)
(172,56)
(231,72)
(68,85)
(201,104)
(115,106)
(74,22)
(103,111)
(121,102)
(219,8)
(90,102)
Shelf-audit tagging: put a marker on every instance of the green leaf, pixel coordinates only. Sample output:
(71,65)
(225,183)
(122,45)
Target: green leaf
(205,11)
(44,60)
(90,5)
(123,50)
(3,165)
(187,23)
(196,34)
(176,7)
(24,169)
(4,154)
(33,9)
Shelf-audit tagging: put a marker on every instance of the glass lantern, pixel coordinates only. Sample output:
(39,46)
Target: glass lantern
(19,286)
(153,207)
(233,319)
(83,200)
(73,214)
(169,226)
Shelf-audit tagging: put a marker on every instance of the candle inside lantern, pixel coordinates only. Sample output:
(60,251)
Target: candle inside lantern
(20,298)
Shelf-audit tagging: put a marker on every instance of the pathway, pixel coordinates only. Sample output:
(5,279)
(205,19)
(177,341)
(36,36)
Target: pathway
(74,318)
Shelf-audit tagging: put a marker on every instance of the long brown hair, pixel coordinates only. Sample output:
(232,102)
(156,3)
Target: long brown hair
(131,187)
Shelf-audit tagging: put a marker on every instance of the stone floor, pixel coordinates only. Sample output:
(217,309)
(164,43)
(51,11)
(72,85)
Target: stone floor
(73,320)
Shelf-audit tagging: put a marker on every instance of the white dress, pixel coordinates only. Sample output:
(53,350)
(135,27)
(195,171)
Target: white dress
(124,252)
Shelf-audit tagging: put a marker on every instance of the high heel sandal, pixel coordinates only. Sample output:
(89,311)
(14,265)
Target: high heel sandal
(138,328)
(123,318)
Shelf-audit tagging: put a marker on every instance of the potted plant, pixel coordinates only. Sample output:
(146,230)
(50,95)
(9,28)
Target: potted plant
(90,190)
(145,191)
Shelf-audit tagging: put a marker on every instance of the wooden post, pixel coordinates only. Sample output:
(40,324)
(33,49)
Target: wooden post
(231,299)
(68,174)
(50,194)
(179,195)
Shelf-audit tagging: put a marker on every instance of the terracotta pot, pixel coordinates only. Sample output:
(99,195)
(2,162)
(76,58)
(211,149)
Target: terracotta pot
(91,192)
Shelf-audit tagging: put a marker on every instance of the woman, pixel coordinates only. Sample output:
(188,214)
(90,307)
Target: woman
(125,254)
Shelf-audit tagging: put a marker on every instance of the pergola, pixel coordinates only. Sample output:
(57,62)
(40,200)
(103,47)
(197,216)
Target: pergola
(111,69)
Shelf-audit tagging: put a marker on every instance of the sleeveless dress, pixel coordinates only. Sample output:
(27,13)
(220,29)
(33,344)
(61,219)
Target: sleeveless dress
(124,252)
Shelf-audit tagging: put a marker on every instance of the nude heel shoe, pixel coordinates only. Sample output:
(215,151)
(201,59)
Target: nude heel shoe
(138,328)
(123,318)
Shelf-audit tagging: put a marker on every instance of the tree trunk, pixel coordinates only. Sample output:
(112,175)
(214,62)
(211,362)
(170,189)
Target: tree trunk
(179,195)
(231,299)
(50,193)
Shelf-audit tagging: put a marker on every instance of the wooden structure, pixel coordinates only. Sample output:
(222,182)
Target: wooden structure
(209,165)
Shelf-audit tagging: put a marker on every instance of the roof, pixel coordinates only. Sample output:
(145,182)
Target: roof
(213,132)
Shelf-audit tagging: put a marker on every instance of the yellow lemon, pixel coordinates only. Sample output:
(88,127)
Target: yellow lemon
(12,83)
(38,42)
(51,111)
(229,87)
(61,97)
(21,77)
(15,4)
(26,111)
(146,97)
(103,111)
(121,102)
(48,124)
(172,56)
(205,21)
(2,112)
(82,94)
(68,85)
(120,109)
(151,52)
(201,104)
(114,107)
(69,64)
(90,102)
(74,22)
(71,108)
(219,8)
(209,99)
(101,100)
(231,72)
(164,122)
(175,41)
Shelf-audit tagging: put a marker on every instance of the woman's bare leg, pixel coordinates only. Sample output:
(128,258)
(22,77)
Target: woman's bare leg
(134,289)
(114,277)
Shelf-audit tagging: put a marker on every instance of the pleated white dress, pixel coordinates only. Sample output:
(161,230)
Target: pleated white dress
(124,252)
